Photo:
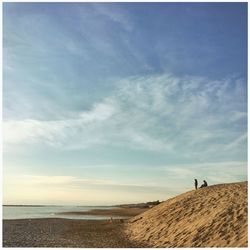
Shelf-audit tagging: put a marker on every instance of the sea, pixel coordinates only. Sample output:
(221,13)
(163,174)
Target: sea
(31,212)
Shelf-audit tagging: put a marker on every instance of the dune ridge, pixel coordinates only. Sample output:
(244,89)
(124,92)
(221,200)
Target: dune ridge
(215,216)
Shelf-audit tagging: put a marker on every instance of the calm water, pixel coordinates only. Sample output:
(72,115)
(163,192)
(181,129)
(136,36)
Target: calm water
(20,212)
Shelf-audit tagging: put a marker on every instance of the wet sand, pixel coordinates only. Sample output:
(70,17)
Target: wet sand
(55,232)
(120,212)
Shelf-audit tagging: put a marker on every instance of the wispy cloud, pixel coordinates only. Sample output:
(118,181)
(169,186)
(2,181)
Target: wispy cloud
(237,142)
(75,190)
(171,180)
(90,83)
(213,172)
(164,113)
(73,182)
(115,13)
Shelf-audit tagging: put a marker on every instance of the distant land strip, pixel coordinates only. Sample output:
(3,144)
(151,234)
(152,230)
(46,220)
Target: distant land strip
(32,206)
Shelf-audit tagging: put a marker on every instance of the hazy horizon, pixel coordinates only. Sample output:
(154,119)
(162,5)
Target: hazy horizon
(115,103)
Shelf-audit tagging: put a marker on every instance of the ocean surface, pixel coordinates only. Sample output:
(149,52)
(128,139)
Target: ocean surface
(29,212)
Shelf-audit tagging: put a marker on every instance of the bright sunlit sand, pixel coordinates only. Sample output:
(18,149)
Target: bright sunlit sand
(215,216)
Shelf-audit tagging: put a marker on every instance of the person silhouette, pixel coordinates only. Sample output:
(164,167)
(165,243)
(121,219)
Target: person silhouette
(196,183)
(204,184)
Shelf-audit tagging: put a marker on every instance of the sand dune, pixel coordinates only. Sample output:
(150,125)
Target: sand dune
(215,216)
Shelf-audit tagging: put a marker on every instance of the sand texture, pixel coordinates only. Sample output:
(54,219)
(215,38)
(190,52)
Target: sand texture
(65,233)
(215,216)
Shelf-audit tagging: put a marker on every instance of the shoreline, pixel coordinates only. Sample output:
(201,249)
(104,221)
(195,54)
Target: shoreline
(211,217)
(57,232)
(121,212)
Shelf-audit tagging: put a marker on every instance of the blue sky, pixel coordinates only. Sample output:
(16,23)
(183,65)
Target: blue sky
(107,103)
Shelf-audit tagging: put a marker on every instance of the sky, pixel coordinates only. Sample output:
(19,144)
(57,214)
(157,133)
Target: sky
(113,103)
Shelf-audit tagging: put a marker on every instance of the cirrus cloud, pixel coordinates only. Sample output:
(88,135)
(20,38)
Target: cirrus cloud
(163,113)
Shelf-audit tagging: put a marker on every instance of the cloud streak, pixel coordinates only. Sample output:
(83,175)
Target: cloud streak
(74,190)
(121,84)
(214,172)
(73,182)
(172,180)
(161,113)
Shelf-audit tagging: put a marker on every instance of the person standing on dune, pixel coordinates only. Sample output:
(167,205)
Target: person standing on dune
(196,183)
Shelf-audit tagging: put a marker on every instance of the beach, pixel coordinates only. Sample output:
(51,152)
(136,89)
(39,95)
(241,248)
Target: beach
(65,233)
(215,216)
(62,232)
(114,212)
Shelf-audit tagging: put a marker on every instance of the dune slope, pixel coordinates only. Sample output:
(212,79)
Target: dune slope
(215,216)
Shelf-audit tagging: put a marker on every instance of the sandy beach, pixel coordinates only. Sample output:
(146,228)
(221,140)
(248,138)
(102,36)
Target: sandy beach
(120,212)
(215,216)
(65,233)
